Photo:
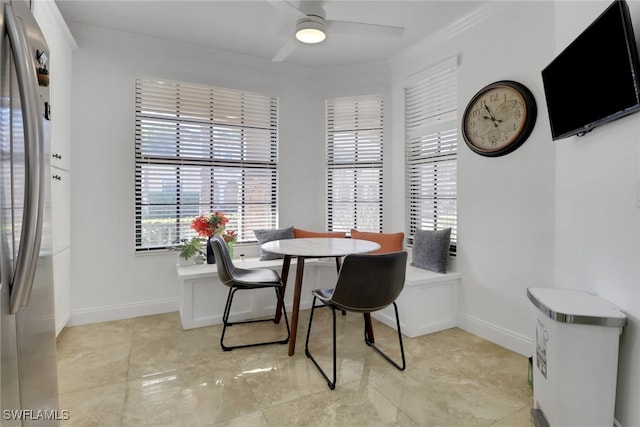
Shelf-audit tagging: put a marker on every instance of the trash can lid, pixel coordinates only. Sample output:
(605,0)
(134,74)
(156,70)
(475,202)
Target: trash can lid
(574,306)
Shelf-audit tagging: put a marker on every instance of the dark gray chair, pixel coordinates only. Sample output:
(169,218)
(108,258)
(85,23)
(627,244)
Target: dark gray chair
(245,279)
(366,283)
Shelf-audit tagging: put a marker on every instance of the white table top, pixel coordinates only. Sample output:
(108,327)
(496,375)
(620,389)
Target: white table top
(320,247)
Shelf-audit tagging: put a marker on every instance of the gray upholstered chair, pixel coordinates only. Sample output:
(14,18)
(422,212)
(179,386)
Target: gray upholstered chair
(245,279)
(366,283)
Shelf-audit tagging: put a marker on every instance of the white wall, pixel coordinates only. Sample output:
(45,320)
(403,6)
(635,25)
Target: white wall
(550,214)
(109,280)
(528,219)
(505,204)
(598,213)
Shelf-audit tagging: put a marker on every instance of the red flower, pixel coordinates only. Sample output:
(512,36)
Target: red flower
(210,225)
(230,236)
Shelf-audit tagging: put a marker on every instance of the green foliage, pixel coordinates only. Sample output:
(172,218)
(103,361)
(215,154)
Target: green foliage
(190,248)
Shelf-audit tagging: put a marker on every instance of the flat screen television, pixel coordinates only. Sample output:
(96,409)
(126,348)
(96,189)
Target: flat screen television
(594,80)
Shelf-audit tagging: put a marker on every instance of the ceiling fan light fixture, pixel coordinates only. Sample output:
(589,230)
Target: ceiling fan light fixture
(310,30)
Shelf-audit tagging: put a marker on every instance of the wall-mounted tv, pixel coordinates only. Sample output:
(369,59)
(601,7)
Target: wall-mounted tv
(596,78)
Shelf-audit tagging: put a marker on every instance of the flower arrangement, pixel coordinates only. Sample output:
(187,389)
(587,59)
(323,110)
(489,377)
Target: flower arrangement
(230,236)
(214,224)
(210,225)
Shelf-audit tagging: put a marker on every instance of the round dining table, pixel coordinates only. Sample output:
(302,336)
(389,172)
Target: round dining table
(313,247)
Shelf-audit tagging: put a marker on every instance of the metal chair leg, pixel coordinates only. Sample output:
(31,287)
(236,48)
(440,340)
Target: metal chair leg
(376,348)
(226,323)
(330,383)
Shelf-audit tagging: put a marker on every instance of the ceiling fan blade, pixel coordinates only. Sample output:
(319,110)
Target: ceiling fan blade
(358,28)
(286,7)
(286,50)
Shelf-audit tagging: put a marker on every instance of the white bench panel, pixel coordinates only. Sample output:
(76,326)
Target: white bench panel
(428,303)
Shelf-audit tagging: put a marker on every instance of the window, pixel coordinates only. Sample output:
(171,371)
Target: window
(354,163)
(200,149)
(431,142)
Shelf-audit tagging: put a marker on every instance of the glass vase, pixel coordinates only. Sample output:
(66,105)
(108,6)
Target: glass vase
(230,249)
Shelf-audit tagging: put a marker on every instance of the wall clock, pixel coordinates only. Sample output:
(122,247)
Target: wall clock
(499,118)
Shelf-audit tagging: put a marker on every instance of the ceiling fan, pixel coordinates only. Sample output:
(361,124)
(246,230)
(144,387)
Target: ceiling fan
(313,26)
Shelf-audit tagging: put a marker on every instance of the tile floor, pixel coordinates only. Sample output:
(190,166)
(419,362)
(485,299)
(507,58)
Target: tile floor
(147,371)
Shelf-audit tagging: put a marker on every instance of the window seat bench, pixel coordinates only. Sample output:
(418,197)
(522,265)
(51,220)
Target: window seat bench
(428,303)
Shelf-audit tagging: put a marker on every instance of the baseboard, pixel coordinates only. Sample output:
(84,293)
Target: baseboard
(62,323)
(105,314)
(388,318)
(496,334)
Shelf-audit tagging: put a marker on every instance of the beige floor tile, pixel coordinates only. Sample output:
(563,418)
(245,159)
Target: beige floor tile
(194,396)
(83,338)
(276,378)
(152,355)
(93,368)
(254,419)
(522,418)
(349,405)
(94,407)
(441,392)
(157,325)
(154,401)
(149,372)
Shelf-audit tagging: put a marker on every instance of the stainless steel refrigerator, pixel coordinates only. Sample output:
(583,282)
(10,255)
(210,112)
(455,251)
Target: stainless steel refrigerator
(28,373)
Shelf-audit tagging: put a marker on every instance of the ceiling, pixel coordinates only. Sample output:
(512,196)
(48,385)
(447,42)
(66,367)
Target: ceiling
(260,28)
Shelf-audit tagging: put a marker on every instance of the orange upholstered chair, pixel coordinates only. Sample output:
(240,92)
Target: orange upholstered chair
(299,233)
(389,242)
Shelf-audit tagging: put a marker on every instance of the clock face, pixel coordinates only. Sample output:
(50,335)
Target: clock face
(498,118)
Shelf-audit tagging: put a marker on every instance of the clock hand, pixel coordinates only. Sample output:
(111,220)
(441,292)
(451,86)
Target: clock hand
(492,119)
(491,116)
(486,107)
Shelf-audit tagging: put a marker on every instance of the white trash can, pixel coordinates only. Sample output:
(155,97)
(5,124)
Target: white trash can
(575,362)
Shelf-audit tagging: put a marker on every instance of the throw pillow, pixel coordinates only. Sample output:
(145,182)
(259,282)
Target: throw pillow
(389,242)
(431,250)
(268,235)
(299,233)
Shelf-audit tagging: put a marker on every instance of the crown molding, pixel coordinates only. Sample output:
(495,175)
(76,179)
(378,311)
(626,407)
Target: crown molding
(486,11)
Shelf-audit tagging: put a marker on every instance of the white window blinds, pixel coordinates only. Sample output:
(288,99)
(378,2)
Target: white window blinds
(354,163)
(202,149)
(431,127)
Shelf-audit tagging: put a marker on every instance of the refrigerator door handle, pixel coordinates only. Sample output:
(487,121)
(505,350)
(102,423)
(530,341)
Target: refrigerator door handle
(32,217)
